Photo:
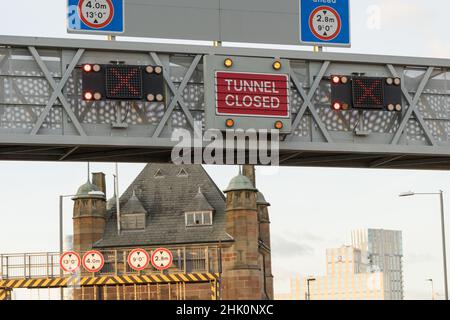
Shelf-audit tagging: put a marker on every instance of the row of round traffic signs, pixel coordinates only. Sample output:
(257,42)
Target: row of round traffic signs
(138,259)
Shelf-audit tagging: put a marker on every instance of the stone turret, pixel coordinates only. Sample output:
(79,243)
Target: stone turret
(264,235)
(241,270)
(89,216)
(264,244)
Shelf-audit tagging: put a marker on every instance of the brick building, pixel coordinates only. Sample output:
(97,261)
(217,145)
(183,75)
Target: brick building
(180,208)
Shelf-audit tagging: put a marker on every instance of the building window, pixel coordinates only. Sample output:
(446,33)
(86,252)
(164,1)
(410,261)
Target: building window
(203,218)
(159,174)
(133,222)
(182,173)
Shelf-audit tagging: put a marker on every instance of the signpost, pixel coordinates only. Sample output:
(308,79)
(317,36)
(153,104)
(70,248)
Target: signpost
(93,261)
(162,259)
(252,94)
(96,16)
(325,23)
(138,259)
(70,261)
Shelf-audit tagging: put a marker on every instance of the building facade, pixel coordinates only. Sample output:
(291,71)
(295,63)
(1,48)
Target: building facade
(382,250)
(182,209)
(346,279)
(370,269)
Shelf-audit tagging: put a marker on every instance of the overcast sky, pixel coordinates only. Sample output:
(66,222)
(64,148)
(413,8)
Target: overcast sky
(312,209)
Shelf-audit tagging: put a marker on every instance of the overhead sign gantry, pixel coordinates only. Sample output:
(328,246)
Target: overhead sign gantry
(79,100)
(43,115)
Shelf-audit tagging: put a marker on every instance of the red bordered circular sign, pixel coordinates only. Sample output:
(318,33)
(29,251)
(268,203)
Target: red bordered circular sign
(70,261)
(325,23)
(162,258)
(93,261)
(138,259)
(96,13)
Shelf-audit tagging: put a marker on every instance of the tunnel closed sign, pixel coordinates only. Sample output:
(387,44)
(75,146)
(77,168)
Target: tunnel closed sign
(252,94)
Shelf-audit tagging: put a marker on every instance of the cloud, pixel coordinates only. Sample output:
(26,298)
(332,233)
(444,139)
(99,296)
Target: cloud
(439,48)
(288,248)
(301,235)
(402,11)
(418,258)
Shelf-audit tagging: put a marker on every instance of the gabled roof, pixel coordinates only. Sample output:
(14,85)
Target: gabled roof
(166,198)
(199,203)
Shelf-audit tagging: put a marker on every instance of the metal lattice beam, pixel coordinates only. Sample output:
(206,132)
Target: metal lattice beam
(412,108)
(177,93)
(57,93)
(307,104)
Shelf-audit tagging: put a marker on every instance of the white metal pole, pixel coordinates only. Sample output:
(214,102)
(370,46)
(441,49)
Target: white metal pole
(117,198)
(444,251)
(61,239)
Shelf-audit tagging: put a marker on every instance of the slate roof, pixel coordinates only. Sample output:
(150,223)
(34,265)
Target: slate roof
(165,195)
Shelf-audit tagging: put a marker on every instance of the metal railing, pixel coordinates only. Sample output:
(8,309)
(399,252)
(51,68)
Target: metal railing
(46,265)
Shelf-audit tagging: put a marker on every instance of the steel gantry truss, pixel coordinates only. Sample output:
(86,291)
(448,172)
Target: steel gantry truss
(42,115)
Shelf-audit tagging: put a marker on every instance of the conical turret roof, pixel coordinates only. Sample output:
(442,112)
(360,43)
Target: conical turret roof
(240,182)
(260,200)
(89,190)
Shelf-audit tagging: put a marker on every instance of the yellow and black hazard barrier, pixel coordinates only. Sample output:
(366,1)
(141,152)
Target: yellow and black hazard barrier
(5,293)
(215,290)
(108,280)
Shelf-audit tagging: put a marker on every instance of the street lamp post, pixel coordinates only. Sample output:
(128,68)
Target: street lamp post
(61,233)
(432,288)
(308,295)
(444,251)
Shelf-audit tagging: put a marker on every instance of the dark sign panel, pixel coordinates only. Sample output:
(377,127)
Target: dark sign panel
(349,92)
(122,82)
(252,94)
(368,92)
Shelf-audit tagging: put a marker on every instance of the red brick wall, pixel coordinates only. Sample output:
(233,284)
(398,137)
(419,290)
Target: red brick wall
(86,231)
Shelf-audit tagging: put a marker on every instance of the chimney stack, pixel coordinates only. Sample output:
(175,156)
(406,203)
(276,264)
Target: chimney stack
(98,178)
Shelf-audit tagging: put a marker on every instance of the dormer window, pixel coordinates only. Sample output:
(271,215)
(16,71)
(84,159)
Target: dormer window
(200,218)
(159,174)
(199,212)
(133,215)
(133,222)
(182,173)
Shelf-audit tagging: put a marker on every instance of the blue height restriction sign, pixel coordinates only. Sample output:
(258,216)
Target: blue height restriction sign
(325,22)
(95,16)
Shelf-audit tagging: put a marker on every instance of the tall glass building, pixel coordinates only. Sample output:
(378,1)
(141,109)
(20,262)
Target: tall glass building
(382,252)
(369,269)
(346,279)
